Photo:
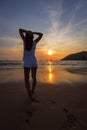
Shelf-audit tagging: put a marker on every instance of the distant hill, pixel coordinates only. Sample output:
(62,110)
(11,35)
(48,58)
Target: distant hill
(76,56)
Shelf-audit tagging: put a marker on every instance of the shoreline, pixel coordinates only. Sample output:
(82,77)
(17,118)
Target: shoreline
(49,74)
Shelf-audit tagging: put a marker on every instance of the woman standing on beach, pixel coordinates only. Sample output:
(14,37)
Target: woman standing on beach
(30,62)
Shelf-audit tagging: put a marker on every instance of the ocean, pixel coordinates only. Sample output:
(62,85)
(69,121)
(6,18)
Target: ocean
(9,64)
(49,71)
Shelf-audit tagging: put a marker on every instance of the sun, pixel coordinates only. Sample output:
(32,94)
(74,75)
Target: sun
(50,52)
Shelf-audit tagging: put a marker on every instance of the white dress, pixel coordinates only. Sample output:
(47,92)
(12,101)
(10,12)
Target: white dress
(29,57)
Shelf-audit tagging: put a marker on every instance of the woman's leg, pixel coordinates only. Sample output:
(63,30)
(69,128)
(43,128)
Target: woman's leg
(26,78)
(33,72)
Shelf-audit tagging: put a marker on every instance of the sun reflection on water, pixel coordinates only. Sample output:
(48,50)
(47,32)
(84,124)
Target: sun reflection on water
(50,76)
(50,73)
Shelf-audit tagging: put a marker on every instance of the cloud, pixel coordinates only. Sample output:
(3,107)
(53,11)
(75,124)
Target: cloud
(9,41)
(67,36)
(10,48)
(64,25)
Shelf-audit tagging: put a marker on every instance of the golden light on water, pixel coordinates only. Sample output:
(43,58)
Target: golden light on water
(50,69)
(55,74)
(50,74)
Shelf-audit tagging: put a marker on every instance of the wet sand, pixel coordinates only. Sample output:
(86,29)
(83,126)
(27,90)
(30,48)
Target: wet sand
(61,106)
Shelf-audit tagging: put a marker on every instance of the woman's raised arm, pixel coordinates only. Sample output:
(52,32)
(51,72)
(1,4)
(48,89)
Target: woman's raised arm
(21,32)
(39,36)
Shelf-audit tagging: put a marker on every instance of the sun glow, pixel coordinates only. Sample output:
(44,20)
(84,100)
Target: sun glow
(50,52)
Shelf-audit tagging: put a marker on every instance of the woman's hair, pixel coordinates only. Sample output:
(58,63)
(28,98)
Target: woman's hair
(28,40)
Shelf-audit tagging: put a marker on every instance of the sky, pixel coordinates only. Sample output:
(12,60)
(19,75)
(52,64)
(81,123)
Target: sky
(62,22)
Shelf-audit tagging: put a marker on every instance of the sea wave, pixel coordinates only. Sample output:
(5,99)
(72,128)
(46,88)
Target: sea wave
(8,64)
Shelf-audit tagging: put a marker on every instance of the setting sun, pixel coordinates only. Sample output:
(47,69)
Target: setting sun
(50,52)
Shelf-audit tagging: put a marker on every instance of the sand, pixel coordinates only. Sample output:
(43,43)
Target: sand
(61,106)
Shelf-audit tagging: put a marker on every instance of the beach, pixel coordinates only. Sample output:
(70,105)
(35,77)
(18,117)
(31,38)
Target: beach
(62,99)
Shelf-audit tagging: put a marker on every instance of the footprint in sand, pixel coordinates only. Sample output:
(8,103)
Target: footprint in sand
(34,100)
(72,121)
(29,114)
(29,111)
(52,102)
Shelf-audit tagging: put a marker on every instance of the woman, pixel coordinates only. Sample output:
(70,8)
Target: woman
(30,62)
